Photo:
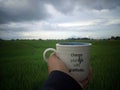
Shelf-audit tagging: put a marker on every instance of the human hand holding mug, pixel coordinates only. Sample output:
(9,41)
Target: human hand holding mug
(54,63)
(76,57)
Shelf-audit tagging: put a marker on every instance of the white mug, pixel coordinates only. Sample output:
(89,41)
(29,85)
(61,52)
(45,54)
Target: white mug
(76,56)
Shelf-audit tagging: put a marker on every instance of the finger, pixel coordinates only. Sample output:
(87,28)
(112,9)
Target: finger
(90,73)
(52,54)
(86,80)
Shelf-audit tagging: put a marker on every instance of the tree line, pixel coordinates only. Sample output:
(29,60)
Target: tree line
(111,38)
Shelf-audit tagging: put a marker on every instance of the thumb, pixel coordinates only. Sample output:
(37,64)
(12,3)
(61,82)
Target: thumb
(54,63)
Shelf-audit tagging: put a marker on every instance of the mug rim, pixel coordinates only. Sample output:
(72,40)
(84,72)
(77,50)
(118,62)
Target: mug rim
(73,44)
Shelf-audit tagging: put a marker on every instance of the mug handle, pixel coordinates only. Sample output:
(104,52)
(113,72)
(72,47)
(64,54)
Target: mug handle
(44,53)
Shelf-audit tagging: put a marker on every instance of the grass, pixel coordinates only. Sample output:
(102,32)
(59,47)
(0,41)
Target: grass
(22,66)
(105,62)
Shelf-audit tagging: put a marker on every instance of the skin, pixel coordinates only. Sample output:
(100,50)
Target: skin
(54,63)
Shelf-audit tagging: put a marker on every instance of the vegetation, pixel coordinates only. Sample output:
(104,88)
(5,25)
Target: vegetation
(22,66)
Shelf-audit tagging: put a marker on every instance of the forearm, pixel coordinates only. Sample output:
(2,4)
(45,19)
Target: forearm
(58,80)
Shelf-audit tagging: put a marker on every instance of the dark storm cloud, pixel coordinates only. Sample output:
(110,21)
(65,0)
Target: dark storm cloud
(63,6)
(27,10)
(98,4)
(66,6)
(22,10)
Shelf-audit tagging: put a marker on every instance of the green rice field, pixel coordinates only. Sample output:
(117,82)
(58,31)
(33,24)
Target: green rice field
(22,66)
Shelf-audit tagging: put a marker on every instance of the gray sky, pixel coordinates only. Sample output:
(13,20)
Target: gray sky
(59,19)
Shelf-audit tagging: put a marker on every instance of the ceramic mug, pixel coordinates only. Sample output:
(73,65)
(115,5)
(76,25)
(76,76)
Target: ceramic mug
(76,56)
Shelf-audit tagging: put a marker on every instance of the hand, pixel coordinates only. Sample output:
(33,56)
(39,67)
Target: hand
(54,63)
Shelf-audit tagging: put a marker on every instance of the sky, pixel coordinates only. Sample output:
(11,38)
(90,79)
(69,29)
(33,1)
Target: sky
(59,19)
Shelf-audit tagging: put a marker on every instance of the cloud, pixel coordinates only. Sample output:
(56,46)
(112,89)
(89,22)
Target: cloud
(32,10)
(76,24)
(58,18)
(23,10)
(98,4)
